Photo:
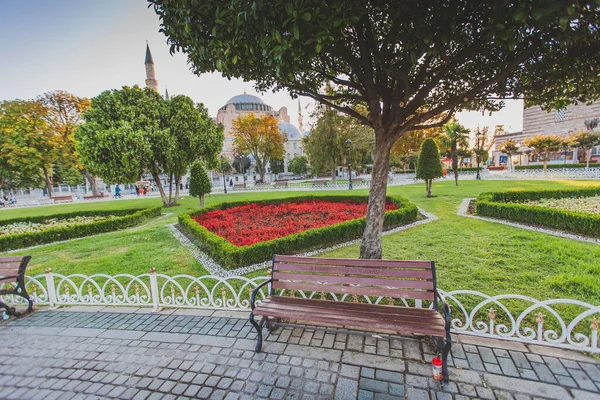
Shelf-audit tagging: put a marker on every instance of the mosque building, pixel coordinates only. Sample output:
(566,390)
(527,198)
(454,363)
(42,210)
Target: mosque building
(246,104)
(243,105)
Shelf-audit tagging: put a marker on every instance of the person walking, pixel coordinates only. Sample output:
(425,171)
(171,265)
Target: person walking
(117,192)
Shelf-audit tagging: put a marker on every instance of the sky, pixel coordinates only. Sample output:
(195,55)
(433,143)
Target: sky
(88,46)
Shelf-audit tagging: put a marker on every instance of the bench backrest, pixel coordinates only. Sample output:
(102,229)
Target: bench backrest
(387,278)
(13,267)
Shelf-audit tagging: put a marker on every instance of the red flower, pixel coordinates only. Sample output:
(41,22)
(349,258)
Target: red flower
(254,223)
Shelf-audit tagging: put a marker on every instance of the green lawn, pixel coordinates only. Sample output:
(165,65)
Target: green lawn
(469,254)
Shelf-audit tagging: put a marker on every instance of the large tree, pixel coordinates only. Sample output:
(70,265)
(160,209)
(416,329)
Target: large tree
(586,141)
(412,64)
(544,146)
(29,148)
(260,137)
(299,165)
(132,131)
(64,112)
(327,146)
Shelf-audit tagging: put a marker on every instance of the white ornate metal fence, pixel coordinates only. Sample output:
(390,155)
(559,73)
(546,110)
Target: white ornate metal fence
(551,173)
(563,323)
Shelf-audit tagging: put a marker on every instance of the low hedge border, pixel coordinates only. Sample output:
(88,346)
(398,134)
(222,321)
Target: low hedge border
(556,166)
(231,256)
(124,219)
(506,205)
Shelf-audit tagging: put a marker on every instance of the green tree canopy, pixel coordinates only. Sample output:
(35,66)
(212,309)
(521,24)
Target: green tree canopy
(412,64)
(131,131)
(586,141)
(429,165)
(199,181)
(298,165)
(326,146)
(544,146)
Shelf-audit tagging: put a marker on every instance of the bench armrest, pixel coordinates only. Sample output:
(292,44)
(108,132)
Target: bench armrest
(255,292)
(446,308)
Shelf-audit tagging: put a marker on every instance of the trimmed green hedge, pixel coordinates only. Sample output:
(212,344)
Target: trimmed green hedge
(506,205)
(232,256)
(556,166)
(124,219)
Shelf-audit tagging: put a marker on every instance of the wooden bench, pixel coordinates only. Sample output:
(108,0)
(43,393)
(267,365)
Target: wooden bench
(390,279)
(12,270)
(100,196)
(281,183)
(63,198)
(357,180)
(239,186)
(319,182)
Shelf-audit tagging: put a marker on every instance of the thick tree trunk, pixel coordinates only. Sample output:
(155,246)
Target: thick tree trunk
(92,180)
(370,246)
(161,190)
(48,183)
(454,151)
(177,182)
(333,177)
(170,190)
(201,200)
(545,162)
(588,157)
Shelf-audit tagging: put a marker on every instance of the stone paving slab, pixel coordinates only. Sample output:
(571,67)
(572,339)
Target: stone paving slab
(56,354)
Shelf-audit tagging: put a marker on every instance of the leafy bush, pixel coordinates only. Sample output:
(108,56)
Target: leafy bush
(231,256)
(124,219)
(506,205)
(555,166)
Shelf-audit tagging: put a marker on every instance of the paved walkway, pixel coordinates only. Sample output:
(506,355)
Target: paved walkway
(140,355)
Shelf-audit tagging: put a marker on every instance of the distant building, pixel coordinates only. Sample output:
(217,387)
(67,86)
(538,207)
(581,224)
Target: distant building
(563,122)
(246,104)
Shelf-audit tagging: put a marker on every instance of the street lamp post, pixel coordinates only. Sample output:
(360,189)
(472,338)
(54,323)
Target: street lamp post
(223,171)
(478,154)
(349,143)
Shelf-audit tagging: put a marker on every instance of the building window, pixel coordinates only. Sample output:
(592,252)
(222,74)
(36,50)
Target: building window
(596,151)
(559,115)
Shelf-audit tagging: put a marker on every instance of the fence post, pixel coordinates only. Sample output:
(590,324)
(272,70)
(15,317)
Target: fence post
(50,288)
(154,290)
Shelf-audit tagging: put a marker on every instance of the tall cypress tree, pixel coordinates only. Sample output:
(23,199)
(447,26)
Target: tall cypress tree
(429,165)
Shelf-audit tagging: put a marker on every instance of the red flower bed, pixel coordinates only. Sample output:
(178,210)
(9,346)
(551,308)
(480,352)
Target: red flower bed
(254,223)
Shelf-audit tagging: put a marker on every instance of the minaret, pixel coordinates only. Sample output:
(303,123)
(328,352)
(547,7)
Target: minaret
(166,93)
(300,117)
(151,81)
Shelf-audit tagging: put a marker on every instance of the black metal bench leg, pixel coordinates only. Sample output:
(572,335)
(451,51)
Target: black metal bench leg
(445,352)
(259,338)
(9,310)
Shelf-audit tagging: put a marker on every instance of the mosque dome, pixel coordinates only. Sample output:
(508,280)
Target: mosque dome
(290,130)
(247,102)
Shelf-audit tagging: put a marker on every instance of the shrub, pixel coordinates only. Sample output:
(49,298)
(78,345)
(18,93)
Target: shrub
(199,182)
(429,165)
(505,205)
(125,219)
(231,256)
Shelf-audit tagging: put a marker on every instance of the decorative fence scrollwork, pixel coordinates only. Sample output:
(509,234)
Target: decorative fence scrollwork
(564,323)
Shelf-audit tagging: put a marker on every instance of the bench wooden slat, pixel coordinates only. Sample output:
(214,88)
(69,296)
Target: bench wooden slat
(355,314)
(9,272)
(371,308)
(354,262)
(336,279)
(10,260)
(406,294)
(418,318)
(380,272)
(345,321)
(9,267)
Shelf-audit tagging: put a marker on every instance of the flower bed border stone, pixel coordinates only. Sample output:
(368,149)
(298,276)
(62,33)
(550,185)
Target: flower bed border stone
(232,256)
